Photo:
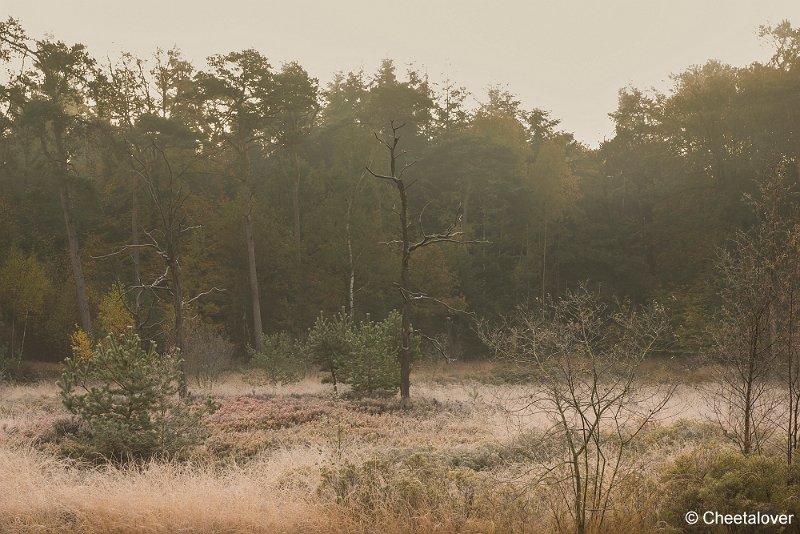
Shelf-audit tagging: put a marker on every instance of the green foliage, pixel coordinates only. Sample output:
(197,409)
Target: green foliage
(329,344)
(728,483)
(364,355)
(373,365)
(23,283)
(282,360)
(126,396)
(9,362)
(23,288)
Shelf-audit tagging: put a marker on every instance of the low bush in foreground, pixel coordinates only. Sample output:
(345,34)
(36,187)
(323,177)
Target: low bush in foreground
(126,396)
(420,491)
(728,483)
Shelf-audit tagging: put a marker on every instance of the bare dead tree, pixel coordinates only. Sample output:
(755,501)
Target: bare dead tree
(585,355)
(167,188)
(408,244)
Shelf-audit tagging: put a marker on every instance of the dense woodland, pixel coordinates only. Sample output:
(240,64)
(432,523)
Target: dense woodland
(238,193)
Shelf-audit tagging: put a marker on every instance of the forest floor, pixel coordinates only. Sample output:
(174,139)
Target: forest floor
(296,458)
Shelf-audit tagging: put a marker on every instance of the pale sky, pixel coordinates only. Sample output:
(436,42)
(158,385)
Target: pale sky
(567,56)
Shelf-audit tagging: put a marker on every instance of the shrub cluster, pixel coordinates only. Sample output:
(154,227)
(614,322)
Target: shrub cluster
(364,355)
(207,353)
(419,491)
(10,362)
(127,397)
(729,483)
(282,359)
(330,345)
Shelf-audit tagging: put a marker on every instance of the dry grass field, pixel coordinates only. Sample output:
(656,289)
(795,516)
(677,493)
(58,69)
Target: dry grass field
(296,459)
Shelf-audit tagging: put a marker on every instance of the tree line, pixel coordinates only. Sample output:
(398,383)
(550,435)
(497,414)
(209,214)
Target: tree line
(245,195)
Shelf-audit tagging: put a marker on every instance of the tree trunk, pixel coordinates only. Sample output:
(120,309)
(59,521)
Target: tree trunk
(405,285)
(255,298)
(465,209)
(75,259)
(405,357)
(135,256)
(792,430)
(255,294)
(794,411)
(177,300)
(12,348)
(296,203)
(352,279)
(24,332)
(747,442)
(61,167)
(544,256)
(580,515)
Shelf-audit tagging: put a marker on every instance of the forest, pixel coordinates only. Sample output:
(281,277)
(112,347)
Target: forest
(246,183)
(247,219)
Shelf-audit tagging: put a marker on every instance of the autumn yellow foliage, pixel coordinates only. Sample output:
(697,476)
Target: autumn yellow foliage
(113,317)
(81,344)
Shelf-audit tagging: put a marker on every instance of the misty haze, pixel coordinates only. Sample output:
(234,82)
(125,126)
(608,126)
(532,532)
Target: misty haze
(410,268)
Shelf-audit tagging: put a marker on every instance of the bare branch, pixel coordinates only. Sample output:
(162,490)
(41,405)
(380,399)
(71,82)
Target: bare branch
(436,345)
(419,296)
(124,249)
(421,215)
(381,176)
(381,141)
(405,168)
(444,238)
(204,293)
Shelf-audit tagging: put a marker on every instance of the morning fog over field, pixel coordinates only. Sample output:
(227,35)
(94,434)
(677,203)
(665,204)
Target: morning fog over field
(349,268)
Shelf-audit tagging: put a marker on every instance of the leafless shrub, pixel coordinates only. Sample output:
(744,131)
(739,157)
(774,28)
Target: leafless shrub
(208,353)
(585,355)
(758,383)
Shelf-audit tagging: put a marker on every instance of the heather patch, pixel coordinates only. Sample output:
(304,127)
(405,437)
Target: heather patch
(252,413)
